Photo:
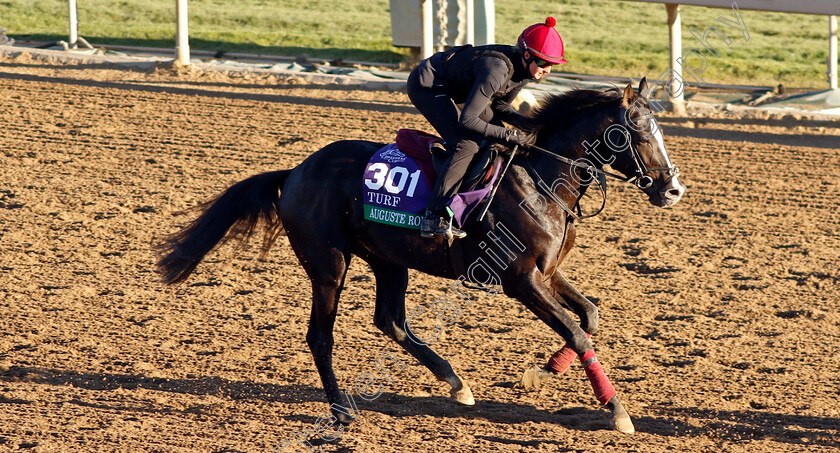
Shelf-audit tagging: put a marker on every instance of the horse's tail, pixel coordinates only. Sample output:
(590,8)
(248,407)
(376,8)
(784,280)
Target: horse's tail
(235,214)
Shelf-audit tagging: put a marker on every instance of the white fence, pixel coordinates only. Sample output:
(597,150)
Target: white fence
(830,8)
(820,7)
(678,56)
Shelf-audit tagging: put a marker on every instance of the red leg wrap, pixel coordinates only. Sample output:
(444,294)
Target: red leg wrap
(561,360)
(604,390)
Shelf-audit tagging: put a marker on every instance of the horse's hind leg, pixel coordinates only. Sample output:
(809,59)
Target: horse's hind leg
(389,317)
(327,272)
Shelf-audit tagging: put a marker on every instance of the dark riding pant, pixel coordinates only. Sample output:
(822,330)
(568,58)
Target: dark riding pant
(443,114)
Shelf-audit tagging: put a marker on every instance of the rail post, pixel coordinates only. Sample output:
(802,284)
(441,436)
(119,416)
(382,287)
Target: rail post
(73,19)
(832,52)
(675,38)
(470,28)
(426,21)
(182,42)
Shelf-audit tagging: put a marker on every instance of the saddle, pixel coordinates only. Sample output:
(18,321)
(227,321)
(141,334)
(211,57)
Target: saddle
(431,156)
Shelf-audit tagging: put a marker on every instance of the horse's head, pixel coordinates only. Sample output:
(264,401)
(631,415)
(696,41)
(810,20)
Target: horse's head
(597,128)
(641,153)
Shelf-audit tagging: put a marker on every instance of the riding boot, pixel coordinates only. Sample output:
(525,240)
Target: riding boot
(428,225)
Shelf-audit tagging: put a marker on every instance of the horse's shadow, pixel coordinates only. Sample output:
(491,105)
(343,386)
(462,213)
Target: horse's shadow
(731,425)
(211,385)
(387,403)
(509,413)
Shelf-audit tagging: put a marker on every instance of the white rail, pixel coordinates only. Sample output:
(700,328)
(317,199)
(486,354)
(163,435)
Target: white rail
(182,38)
(820,7)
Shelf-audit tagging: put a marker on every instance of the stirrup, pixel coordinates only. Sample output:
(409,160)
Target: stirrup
(457,233)
(451,231)
(436,225)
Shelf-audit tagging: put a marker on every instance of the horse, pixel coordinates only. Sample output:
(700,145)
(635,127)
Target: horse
(530,227)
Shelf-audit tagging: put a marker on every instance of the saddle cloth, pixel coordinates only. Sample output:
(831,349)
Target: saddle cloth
(399,177)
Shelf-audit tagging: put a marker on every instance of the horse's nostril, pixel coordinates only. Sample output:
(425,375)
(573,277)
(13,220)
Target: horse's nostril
(674,193)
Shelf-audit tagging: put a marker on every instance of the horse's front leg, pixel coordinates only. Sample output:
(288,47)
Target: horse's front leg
(534,294)
(577,302)
(588,314)
(564,292)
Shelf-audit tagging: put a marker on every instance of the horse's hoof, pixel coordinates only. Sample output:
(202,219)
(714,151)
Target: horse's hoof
(460,392)
(343,418)
(624,425)
(621,419)
(463,396)
(591,322)
(532,378)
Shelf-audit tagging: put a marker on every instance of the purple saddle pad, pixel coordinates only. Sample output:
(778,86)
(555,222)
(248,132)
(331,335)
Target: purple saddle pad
(396,191)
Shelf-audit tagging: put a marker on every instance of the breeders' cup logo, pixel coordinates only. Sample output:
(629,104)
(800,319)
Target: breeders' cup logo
(392,156)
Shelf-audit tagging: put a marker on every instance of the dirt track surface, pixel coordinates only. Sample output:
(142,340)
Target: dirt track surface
(719,316)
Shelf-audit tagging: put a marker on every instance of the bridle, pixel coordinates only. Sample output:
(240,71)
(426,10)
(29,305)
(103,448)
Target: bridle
(640,179)
(643,181)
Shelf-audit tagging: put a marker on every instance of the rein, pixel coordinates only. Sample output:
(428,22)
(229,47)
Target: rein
(590,168)
(542,185)
(640,179)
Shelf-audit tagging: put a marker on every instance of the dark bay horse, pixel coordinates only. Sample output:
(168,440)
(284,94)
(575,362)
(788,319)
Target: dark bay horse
(529,228)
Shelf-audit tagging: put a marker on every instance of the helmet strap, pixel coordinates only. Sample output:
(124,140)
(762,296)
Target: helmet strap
(528,60)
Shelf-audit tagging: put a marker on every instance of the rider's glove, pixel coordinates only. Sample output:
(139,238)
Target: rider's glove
(517,137)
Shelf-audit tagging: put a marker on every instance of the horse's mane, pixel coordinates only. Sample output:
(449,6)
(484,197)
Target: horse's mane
(562,110)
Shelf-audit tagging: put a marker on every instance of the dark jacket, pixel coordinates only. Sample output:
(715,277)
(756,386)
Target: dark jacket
(476,76)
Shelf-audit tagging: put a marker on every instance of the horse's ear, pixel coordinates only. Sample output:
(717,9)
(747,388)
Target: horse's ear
(643,87)
(629,95)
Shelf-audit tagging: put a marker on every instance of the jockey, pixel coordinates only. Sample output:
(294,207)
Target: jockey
(466,93)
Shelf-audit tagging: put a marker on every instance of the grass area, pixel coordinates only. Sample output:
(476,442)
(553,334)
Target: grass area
(602,37)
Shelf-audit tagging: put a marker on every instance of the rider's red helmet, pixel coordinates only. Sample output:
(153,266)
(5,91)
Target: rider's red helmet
(543,41)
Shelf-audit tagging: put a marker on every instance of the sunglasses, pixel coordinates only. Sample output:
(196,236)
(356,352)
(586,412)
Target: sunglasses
(542,63)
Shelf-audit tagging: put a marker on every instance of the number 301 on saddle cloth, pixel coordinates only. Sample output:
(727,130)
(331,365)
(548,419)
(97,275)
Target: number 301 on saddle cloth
(398,179)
